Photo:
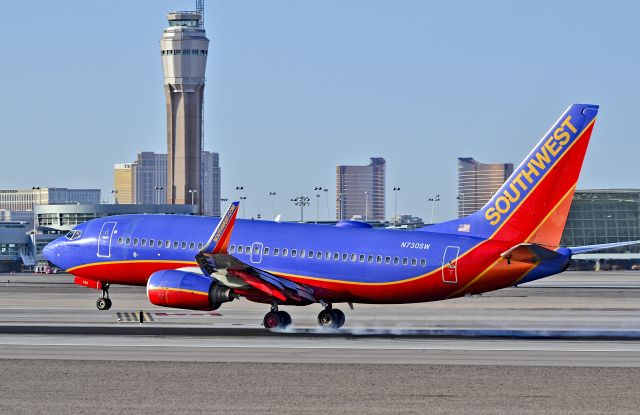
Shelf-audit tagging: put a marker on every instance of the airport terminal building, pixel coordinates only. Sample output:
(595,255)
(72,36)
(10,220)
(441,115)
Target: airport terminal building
(602,216)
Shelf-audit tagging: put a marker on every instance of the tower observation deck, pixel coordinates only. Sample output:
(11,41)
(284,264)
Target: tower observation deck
(184,48)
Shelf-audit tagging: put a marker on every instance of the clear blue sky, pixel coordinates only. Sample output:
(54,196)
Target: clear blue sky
(296,87)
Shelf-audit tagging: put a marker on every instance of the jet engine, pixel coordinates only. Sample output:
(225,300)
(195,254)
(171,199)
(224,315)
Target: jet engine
(182,289)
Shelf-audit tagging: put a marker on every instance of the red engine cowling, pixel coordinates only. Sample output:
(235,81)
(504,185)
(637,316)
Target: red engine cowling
(181,289)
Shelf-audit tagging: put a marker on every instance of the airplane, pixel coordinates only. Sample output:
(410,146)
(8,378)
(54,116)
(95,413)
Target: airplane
(199,263)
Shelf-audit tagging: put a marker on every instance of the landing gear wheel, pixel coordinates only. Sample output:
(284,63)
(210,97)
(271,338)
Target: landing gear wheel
(276,320)
(103,303)
(285,319)
(340,317)
(327,318)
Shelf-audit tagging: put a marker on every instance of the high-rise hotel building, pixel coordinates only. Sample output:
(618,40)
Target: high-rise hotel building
(360,191)
(477,182)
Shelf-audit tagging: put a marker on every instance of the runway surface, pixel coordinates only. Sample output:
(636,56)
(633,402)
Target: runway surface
(566,344)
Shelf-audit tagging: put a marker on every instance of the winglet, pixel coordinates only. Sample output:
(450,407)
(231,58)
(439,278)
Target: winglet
(219,240)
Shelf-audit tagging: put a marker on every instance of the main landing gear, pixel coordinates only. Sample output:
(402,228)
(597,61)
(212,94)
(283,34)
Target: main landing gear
(104,303)
(275,319)
(331,317)
(328,318)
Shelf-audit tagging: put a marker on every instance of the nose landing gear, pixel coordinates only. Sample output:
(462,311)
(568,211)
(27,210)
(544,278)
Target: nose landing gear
(104,303)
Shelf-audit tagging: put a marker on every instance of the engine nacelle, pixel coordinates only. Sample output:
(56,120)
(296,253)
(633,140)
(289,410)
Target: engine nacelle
(181,289)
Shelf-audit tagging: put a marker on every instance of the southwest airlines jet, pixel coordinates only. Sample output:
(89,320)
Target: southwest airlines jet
(198,263)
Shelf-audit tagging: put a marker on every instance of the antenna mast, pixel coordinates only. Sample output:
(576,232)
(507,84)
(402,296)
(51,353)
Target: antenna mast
(200,9)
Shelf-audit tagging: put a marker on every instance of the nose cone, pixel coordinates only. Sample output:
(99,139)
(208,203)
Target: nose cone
(52,252)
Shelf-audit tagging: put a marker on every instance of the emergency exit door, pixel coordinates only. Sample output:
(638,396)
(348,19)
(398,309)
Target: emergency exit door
(450,265)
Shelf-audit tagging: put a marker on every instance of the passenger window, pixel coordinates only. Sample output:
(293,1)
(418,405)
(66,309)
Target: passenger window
(396,260)
(379,259)
(353,257)
(256,249)
(285,252)
(336,256)
(200,245)
(247,249)
(232,249)
(294,252)
(152,242)
(240,248)
(266,251)
(276,251)
(361,257)
(192,245)
(370,259)
(176,244)
(310,253)
(327,255)
(345,256)
(405,261)
(183,245)
(135,242)
(127,241)
(120,240)
(167,244)
(423,262)
(143,242)
(387,260)
(414,262)
(302,253)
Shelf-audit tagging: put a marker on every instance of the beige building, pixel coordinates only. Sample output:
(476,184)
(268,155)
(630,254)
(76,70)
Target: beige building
(184,48)
(25,199)
(124,183)
(477,182)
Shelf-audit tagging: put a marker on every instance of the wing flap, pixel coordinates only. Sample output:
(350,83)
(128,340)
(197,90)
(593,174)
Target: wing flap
(214,260)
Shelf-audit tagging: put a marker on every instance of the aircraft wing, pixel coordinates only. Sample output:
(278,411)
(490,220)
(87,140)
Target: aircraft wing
(590,248)
(215,260)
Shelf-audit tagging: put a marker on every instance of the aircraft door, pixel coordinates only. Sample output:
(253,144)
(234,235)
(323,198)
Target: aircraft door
(104,239)
(256,252)
(450,265)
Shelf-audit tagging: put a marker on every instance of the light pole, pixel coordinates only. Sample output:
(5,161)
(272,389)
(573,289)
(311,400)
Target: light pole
(318,189)
(192,192)
(433,201)
(366,206)
(326,198)
(273,204)
(301,201)
(240,189)
(158,190)
(395,209)
(35,218)
(339,197)
(115,196)
(243,203)
(461,197)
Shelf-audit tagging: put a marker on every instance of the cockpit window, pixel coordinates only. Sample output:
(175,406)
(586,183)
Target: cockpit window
(73,235)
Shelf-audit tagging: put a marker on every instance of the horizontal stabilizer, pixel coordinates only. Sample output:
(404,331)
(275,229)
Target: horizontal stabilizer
(590,248)
(530,253)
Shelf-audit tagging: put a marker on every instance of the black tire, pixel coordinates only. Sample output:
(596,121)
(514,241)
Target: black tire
(271,320)
(109,303)
(285,319)
(327,318)
(102,304)
(340,318)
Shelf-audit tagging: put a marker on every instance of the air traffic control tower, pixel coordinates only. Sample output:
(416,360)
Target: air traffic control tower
(184,47)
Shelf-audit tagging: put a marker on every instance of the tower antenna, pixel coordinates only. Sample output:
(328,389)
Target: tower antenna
(200,9)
